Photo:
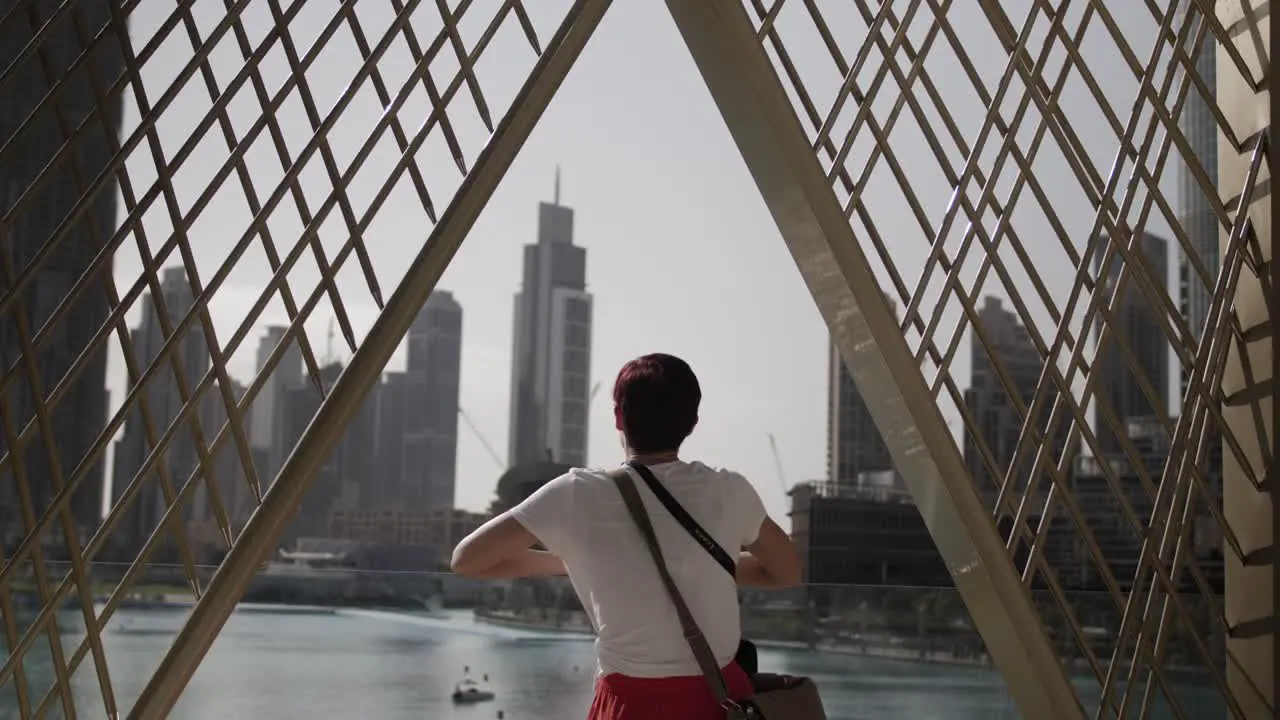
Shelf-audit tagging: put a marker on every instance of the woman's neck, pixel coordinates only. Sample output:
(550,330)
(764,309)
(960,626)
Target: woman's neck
(653,458)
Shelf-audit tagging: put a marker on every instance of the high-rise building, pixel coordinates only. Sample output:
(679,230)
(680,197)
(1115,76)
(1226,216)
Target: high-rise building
(430,432)
(551,359)
(1201,225)
(391,399)
(854,443)
(1136,321)
(1198,219)
(163,398)
(232,480)
(49,173)
(1098,486)
(267,437)
(1000,416)
(228,479)
(339,482)
(415,413)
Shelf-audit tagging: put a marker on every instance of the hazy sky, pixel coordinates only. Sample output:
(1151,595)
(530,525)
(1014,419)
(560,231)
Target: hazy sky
(682,255)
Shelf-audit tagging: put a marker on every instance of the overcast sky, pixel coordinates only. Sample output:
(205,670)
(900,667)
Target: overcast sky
(682,256)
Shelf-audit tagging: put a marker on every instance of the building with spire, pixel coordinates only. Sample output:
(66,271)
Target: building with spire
(551,355)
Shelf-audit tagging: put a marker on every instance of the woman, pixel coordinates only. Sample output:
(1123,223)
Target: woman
(646,669)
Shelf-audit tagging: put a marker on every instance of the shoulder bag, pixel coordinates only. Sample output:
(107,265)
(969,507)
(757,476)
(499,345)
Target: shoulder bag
(775,697)
(746,655)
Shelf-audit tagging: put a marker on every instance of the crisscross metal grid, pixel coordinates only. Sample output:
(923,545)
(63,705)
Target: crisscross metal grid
(1016,149)
(1061,158)
(173,177)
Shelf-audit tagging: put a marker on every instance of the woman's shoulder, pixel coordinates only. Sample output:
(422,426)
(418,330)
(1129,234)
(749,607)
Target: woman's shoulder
(587,477)
(696,471)
(722,476)
(707,469)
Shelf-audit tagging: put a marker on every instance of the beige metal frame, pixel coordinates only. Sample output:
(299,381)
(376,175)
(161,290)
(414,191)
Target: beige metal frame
(745,80)
(809,165)
(759,115)
(1251,503)
(279,504)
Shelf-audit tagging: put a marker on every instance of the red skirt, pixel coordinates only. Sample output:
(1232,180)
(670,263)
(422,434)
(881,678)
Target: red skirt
(619,697)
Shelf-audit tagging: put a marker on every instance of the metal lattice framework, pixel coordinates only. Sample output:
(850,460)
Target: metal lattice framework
(866,116)
(905,151)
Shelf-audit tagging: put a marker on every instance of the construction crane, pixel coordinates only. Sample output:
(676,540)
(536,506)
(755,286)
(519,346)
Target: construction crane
(329,356)
(476,431)
(489,448)
(777,462)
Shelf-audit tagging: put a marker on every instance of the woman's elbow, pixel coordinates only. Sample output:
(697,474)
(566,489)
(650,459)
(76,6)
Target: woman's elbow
(791,577)
(464,563)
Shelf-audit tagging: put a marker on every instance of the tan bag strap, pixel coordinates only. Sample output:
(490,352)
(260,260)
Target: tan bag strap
(692,634)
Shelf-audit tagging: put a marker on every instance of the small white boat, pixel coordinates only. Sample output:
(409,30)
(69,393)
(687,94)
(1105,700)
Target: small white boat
(468,692)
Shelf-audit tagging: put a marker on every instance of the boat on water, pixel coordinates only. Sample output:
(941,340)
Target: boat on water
(309,576)
(469,691)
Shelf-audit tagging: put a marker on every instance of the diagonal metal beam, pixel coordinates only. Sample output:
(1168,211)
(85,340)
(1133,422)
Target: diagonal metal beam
(759,115)
(280,503)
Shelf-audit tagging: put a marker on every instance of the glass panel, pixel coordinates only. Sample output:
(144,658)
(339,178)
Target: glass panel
(319,634)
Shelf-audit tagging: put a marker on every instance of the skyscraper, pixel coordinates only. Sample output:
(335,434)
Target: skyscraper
(415,414)
(1198,219)
(854,443)
(1136,321)
(164,402)
(228,476)
(49,179)
(432,375)
(998,419)
(233,486)
(551,359)
(391,398)
(267,436)
(347,466)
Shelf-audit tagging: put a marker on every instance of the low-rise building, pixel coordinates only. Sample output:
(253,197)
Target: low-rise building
(438,530)
(867,534)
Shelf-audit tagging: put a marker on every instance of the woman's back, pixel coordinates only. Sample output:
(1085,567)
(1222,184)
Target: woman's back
(581,518)
(647,668)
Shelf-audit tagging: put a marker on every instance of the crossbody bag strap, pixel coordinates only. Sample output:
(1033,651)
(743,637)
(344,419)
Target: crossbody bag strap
(686,520)
(692,633)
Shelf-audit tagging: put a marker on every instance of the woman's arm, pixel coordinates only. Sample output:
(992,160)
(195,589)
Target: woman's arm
(501,549)
(771,561)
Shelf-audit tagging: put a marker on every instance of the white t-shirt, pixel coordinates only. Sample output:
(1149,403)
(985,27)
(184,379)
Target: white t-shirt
(581,517)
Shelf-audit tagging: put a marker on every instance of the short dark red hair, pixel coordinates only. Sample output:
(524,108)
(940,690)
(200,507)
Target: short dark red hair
(657,396)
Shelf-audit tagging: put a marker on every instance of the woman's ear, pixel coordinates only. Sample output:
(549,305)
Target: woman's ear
(617,418)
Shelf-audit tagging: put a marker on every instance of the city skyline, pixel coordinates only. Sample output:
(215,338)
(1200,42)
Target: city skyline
(288,376)
(672,219)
